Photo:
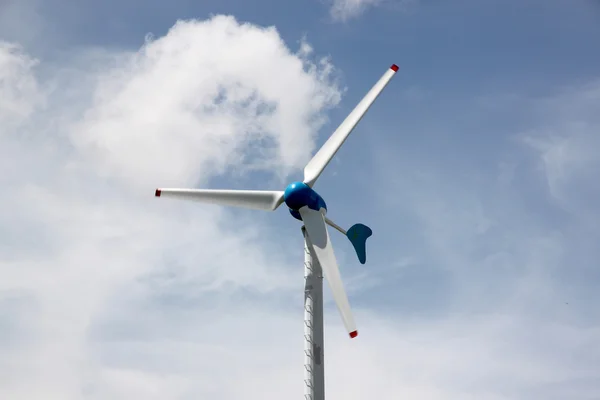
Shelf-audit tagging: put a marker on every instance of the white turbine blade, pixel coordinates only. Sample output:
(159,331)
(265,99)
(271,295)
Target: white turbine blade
(315,167)
(254,199)
(314,223)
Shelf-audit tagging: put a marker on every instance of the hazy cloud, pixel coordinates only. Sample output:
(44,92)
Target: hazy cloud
(517,249)
(344,10)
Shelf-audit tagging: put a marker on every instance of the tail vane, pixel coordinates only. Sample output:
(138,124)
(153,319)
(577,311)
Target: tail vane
(358,235)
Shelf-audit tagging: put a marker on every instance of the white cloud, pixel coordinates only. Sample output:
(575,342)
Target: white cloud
(107,292)
(83,238)
(19,88)
(344,10)
(230,81)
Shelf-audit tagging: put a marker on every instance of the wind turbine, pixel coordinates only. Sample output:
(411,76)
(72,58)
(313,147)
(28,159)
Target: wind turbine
(309,207)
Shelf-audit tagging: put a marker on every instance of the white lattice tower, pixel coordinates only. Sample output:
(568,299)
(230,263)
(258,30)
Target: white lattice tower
(314,377)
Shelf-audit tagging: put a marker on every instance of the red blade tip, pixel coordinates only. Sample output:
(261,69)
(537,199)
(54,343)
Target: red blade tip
(394,67)
(353,334)
(157,193)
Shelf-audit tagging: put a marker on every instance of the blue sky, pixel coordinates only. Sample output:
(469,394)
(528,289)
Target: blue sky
(476,169)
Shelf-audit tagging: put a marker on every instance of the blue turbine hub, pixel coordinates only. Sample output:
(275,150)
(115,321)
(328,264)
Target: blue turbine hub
(298,195)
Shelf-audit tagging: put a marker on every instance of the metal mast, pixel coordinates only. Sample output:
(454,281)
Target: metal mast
(314,372)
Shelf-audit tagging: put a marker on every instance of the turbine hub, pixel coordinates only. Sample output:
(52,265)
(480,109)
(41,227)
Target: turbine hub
(298,195)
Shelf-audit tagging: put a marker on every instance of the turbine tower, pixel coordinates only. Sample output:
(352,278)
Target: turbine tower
(309,207)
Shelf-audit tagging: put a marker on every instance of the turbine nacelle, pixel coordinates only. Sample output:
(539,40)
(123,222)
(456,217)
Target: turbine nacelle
(298,195)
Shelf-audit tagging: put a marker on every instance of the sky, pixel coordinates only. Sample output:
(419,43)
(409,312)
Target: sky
(475,168)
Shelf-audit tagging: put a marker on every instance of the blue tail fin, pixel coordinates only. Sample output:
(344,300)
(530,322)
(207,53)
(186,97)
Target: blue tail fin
(358,235)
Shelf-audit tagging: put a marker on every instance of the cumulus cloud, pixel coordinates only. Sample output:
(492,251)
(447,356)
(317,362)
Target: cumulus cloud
(84,144)
(230,81)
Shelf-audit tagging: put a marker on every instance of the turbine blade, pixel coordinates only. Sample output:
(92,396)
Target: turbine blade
(315,167)
(254,199)
(314,222)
